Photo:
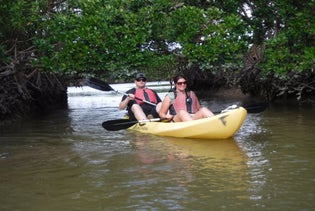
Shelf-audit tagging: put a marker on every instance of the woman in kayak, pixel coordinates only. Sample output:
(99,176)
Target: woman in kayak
(182,104)
(141,102)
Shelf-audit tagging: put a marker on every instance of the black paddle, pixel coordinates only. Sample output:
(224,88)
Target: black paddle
(98,84)
(121,124)
(256,107)
(251,108)
(103,86)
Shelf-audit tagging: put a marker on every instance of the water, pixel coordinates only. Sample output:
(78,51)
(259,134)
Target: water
(67,161)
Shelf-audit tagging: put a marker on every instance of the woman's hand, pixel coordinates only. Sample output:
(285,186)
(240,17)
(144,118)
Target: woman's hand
(169,117)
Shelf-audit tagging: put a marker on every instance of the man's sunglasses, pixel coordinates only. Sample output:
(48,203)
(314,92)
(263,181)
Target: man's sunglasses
(141,79)
(181,83)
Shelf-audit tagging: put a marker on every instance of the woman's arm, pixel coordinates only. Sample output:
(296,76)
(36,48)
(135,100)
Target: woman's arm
(195,100)
(163,113)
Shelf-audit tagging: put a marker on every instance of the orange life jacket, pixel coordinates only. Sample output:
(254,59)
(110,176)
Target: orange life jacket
(186,102)
(140,93)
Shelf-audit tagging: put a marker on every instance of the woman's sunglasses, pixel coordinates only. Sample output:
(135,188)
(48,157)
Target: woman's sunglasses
(181,83)
(141,79)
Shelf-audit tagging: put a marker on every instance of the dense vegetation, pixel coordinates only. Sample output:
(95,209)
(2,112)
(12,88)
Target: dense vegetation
(265,47)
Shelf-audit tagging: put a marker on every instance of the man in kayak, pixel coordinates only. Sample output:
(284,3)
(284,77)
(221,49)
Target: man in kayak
(182,104)
(141,102)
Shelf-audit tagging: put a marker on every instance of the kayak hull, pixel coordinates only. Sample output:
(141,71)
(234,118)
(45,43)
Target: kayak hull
(221,126)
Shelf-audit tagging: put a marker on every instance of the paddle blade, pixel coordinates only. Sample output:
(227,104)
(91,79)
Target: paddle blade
(98,84)
(256,108)
(118,124)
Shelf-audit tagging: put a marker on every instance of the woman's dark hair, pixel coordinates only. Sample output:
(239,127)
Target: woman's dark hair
(179,76)
(176,78)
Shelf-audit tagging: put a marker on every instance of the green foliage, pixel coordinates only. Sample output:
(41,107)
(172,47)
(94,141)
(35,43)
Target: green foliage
(103,38)
(99,37)
(293,48)
(17,29)
(115,38)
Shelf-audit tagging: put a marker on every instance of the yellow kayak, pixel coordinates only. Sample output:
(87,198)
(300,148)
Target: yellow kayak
(221,126)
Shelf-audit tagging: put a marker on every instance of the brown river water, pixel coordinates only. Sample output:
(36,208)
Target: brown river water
(67,161)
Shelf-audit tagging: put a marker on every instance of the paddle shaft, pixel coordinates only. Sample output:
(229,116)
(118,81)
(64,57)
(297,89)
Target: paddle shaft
(103,86)
(145,101)
(121,124)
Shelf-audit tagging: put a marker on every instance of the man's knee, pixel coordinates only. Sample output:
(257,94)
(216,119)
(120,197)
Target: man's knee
(135,107)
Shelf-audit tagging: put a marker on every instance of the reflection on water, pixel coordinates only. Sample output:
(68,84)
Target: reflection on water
(67,161)
(199,158)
